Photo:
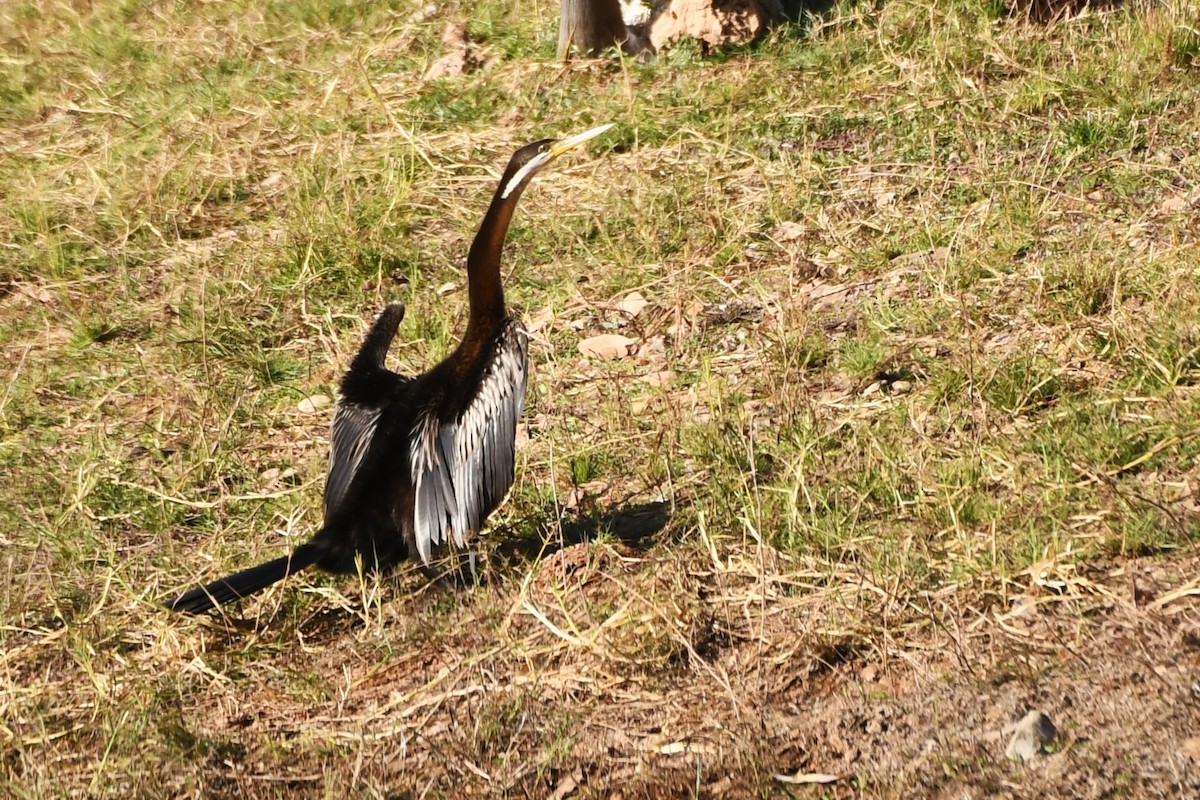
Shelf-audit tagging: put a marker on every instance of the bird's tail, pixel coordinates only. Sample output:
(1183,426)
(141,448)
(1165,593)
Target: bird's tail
(245,583)
(373,352)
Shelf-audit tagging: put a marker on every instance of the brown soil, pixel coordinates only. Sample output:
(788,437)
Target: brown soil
(603,682)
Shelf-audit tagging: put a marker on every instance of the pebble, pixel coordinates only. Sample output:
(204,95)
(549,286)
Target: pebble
(1032,735)
(310,405)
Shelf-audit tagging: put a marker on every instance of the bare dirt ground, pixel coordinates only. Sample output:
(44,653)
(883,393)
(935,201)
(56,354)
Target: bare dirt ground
(636,675)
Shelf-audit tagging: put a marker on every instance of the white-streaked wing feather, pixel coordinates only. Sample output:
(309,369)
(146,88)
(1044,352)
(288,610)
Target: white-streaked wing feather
(463,469)
(353,428)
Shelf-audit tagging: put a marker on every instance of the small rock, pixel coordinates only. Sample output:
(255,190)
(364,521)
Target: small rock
(713,22)
(901,387)
(1033,734)
(310,405)
(270,181)
(1191,749)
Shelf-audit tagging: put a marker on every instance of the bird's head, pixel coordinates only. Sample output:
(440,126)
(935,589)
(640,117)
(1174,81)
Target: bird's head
(531,158)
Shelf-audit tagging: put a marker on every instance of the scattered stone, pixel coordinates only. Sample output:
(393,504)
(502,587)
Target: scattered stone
(1033,734)
(714,23)
(1191,749)
(807,778)
(314,403)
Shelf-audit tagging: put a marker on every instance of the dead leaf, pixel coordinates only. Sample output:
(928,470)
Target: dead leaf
(674,748)
(1173,204)
(459,58)
(583,493)
(567,785)
(270,181)
(539,320)
(653,345)
(788,231)
(607,345)
(632,304)
(446,288)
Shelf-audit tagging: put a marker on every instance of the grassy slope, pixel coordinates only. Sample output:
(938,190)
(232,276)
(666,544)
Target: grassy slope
(923,293)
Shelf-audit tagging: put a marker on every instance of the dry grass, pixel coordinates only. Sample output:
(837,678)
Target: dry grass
(907,443)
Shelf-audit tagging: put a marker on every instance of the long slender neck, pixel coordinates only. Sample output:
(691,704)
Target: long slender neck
(483,263)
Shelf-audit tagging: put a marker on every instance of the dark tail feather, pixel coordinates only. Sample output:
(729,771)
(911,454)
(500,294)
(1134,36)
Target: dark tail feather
(373,352)
(244,583)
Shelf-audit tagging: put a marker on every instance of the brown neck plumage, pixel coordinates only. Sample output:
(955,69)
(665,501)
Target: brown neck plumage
(483,265)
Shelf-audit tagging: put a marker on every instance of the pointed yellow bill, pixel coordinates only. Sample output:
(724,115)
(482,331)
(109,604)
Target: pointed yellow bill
(571,142)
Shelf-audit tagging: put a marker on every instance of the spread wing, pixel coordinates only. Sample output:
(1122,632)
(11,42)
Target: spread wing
(365,389)
(462,469)
(353,429)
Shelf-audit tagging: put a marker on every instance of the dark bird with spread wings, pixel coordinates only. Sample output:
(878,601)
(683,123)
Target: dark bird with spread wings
(418,462)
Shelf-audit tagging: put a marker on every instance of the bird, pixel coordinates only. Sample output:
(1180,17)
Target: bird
(417,462)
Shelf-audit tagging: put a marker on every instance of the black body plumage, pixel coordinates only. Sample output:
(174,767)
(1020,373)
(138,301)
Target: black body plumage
(416,461)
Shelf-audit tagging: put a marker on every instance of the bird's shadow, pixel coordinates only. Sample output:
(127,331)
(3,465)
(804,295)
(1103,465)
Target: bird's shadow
(635,525)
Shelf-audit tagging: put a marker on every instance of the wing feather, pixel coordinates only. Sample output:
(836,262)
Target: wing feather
(353,428)
(361,404)
(462,469)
